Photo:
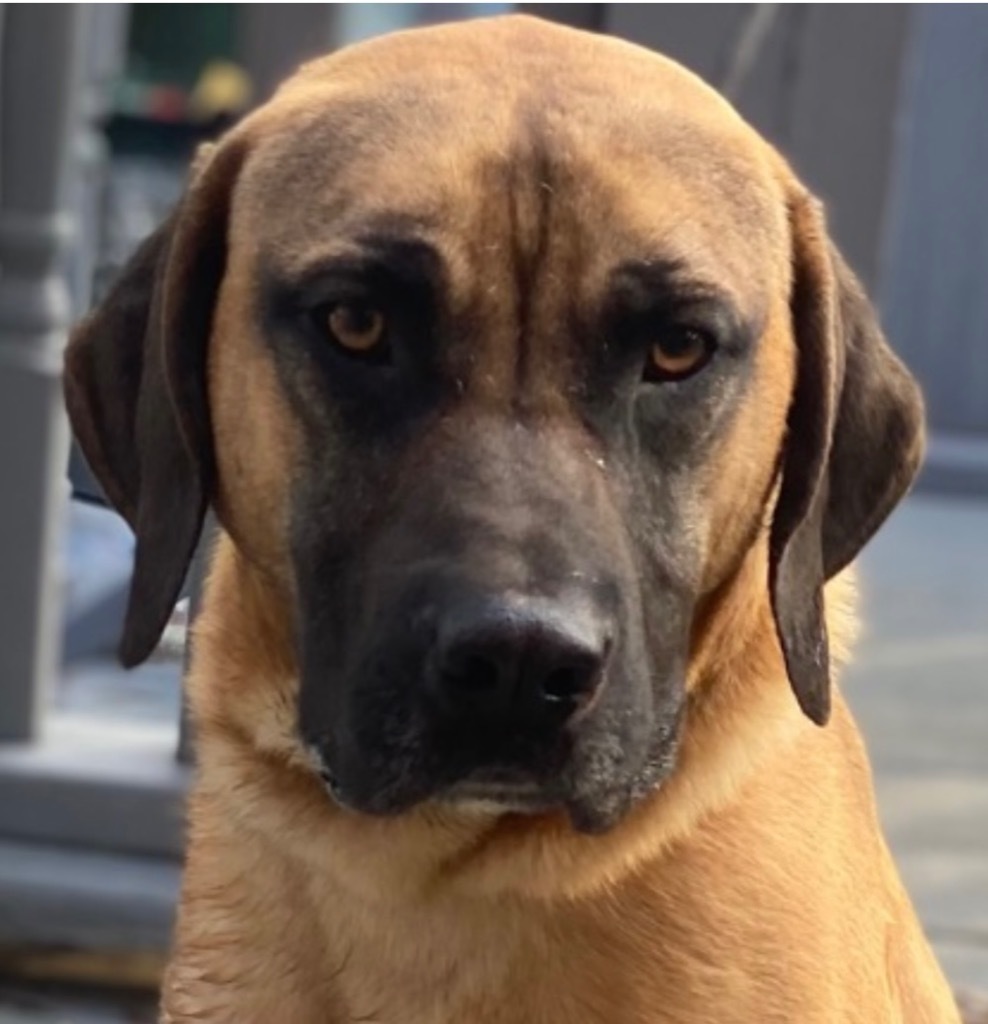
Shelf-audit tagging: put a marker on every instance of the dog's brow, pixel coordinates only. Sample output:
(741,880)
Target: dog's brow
(396,245)
(355,253)
(669,287)
(666,279)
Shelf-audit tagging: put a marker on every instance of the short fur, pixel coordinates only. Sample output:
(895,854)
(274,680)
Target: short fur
(712,853)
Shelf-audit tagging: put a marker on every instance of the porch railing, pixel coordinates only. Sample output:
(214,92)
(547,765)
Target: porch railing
(90,821)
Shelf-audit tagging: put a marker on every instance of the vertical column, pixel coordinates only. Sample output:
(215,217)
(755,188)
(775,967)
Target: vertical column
(40,77)
(274,39)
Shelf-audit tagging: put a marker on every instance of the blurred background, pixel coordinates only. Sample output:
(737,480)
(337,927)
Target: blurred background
(882,108)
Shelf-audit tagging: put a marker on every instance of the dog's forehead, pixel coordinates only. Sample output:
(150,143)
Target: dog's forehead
(432,129)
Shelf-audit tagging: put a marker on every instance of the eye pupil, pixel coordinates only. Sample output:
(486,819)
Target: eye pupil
(355,319)
(683,344)
(355,326)
(678,354)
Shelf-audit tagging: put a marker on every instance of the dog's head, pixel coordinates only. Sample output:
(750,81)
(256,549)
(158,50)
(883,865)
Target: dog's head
(499,350)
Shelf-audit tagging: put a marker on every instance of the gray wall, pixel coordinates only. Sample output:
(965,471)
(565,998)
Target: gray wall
(820,80)
(935,292)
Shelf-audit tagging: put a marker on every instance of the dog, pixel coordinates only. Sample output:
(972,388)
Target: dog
(542,422)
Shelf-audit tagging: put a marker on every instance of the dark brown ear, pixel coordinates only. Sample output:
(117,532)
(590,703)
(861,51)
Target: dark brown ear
(135,388)
(854,444)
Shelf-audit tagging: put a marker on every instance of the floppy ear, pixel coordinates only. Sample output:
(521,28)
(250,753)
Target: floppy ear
(854,444)
(135,389)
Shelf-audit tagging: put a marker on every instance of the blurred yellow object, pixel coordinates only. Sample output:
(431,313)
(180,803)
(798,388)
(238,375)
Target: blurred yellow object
(130,969)
(223,88)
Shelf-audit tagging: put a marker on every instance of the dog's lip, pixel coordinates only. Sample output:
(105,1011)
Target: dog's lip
(522,796)
(327,776)
(331,784)
(469,796)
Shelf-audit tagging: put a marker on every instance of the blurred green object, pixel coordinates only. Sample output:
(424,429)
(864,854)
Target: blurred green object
(171,43)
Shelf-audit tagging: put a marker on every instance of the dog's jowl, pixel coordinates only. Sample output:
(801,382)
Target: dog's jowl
(541,420)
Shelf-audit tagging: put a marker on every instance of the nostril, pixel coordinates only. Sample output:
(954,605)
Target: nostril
(569,684)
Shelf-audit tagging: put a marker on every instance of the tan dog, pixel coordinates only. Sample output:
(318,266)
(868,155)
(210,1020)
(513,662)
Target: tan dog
(536,409)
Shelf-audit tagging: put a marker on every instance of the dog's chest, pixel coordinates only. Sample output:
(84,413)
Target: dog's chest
(504,968)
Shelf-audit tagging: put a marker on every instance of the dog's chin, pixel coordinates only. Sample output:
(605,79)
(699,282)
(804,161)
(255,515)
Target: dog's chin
(591,817)
(589,812)
(591,809)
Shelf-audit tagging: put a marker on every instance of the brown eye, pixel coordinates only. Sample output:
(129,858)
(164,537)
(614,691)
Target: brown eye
(356,327)
(678,355)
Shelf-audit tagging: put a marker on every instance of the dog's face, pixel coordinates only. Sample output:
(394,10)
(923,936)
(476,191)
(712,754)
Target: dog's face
(521,342)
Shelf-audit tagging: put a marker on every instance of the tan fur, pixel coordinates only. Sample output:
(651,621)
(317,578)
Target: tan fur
(714,900)
(685,913)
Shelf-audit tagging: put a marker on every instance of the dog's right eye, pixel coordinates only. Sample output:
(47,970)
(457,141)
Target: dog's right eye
(357,328)
(679,354)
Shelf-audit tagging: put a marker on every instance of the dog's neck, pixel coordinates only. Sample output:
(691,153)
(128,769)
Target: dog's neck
(384,889)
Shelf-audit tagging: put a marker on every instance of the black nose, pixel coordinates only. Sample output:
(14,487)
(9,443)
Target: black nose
(531,660)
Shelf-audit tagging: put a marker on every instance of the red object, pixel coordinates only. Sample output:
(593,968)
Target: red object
(166,103)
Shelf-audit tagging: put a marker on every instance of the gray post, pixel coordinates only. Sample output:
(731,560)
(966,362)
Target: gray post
(275,38)
(104,49)
(40,79)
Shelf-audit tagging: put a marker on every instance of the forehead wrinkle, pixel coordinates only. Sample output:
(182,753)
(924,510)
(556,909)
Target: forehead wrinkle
(531,244)
(529,197)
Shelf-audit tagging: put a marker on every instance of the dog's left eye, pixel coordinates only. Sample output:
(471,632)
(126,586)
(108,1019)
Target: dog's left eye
(358,328)
(679,354)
